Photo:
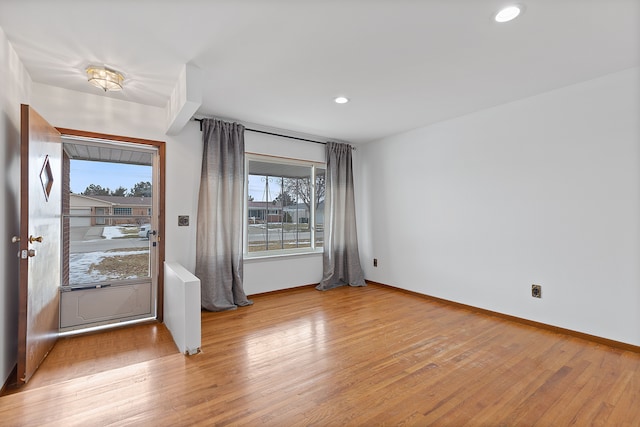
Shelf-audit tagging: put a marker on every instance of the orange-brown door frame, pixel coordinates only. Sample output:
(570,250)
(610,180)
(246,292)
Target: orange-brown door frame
(161,215)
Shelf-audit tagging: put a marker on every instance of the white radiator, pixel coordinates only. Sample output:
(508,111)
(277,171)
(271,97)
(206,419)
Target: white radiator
(182,307)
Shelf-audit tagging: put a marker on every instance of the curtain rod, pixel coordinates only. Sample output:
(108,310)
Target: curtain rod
(272,133)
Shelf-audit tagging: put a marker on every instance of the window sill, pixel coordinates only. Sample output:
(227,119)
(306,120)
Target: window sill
(257,256)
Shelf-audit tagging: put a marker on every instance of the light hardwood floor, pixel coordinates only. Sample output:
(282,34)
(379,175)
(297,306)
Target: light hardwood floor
(350,356)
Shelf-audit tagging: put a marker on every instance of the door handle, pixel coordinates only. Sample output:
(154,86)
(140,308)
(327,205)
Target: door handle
(15,239)
(35,239)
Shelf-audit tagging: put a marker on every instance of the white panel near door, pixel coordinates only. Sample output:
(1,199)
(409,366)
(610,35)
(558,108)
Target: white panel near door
(96,306)
(182,307)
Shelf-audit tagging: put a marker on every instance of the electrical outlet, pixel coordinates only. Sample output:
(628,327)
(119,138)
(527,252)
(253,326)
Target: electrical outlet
(375,262)
(536,291)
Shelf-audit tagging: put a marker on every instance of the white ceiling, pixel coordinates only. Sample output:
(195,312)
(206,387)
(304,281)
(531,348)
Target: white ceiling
(279,63)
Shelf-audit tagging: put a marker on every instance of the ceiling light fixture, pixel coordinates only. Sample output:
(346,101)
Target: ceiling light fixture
(104,78)
(508,13)
(341,100)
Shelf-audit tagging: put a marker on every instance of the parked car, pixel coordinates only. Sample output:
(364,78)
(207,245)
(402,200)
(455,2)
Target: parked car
(145,231)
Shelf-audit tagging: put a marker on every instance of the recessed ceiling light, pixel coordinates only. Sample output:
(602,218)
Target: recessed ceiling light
(508,13)
(341,100)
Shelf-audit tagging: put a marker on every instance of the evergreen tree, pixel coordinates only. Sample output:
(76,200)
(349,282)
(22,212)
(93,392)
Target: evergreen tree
(96,190)
(120,191)
(141,189)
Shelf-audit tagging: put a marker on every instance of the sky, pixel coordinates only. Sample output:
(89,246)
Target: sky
(114,175)
(257,188)
(107,175)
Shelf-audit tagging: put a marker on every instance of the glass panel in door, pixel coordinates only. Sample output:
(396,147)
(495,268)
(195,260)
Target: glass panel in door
(110,249)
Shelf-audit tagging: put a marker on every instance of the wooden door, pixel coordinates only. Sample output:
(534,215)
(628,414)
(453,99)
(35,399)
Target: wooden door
(40,245)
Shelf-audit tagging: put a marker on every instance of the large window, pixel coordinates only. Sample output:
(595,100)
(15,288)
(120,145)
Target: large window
(285,205)
(122,211)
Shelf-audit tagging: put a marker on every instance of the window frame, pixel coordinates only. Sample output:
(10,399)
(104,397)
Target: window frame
(285,161)
(117,211)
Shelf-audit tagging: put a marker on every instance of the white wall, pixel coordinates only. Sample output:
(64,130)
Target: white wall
(184,162)
(184,159)
(97,113)
(545,190)
(15,90)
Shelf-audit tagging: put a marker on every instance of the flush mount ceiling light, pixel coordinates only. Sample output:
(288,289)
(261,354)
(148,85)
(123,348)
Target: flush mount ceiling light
(341,100)
(104,78)
(508,13)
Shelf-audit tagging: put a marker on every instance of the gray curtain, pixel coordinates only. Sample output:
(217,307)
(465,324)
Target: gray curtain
(220,213)
(341,261)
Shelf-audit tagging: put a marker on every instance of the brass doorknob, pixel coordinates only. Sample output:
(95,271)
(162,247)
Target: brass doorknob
(35,239)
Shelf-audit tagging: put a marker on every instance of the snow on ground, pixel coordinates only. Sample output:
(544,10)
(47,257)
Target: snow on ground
(112,232)
(79,264)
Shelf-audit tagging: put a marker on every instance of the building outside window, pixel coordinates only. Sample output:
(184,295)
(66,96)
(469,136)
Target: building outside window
(285,206)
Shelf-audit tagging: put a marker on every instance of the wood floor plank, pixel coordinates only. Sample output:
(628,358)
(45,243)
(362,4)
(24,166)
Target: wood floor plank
(349,356)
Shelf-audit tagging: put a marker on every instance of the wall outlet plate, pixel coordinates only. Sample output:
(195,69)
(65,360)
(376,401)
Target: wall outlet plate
(536,291)
(183,220)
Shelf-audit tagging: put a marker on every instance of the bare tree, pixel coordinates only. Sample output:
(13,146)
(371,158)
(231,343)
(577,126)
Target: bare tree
(284,199)
(301,189)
